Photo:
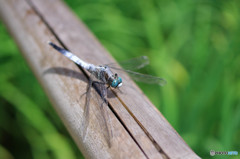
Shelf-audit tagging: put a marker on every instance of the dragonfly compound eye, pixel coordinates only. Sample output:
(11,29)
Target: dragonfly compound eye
(119,80)
(114,83)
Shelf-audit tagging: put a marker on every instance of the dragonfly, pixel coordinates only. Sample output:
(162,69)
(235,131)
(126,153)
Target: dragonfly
(104,78)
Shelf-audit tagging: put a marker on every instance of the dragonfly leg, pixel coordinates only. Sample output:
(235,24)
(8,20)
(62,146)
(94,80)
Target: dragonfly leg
(93,82)
(97,82)
(83,94)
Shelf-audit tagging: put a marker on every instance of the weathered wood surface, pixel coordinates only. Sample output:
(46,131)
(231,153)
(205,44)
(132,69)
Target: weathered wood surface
(139,129)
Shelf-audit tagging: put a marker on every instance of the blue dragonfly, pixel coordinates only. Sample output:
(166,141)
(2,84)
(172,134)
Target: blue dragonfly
(103,77)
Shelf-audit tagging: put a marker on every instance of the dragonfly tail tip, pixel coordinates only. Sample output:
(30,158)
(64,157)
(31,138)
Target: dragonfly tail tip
(49,42)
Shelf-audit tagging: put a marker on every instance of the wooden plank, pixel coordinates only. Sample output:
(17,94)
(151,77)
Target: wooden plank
(151,121)
(139,128)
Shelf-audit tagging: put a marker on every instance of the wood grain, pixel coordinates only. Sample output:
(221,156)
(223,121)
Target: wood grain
(139,129)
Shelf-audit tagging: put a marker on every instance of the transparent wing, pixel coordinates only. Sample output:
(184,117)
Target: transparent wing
(132,64)
(85,121)
(104,119)
(99,95)
(144,78)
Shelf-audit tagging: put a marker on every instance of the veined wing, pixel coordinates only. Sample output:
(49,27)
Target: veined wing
(132,64)
(103,118)
(99,95)
(144,78)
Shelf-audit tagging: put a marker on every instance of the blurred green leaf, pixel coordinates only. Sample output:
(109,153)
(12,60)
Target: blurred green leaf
(37,119)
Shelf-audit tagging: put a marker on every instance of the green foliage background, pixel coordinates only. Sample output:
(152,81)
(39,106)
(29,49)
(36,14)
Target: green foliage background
(194,45)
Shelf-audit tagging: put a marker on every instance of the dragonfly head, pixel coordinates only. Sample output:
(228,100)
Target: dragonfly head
(116,82)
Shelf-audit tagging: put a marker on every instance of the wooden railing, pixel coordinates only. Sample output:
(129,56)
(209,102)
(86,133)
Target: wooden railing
(139,129)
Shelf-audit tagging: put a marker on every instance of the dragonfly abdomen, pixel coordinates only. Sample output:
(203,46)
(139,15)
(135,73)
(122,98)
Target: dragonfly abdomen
(74,58)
